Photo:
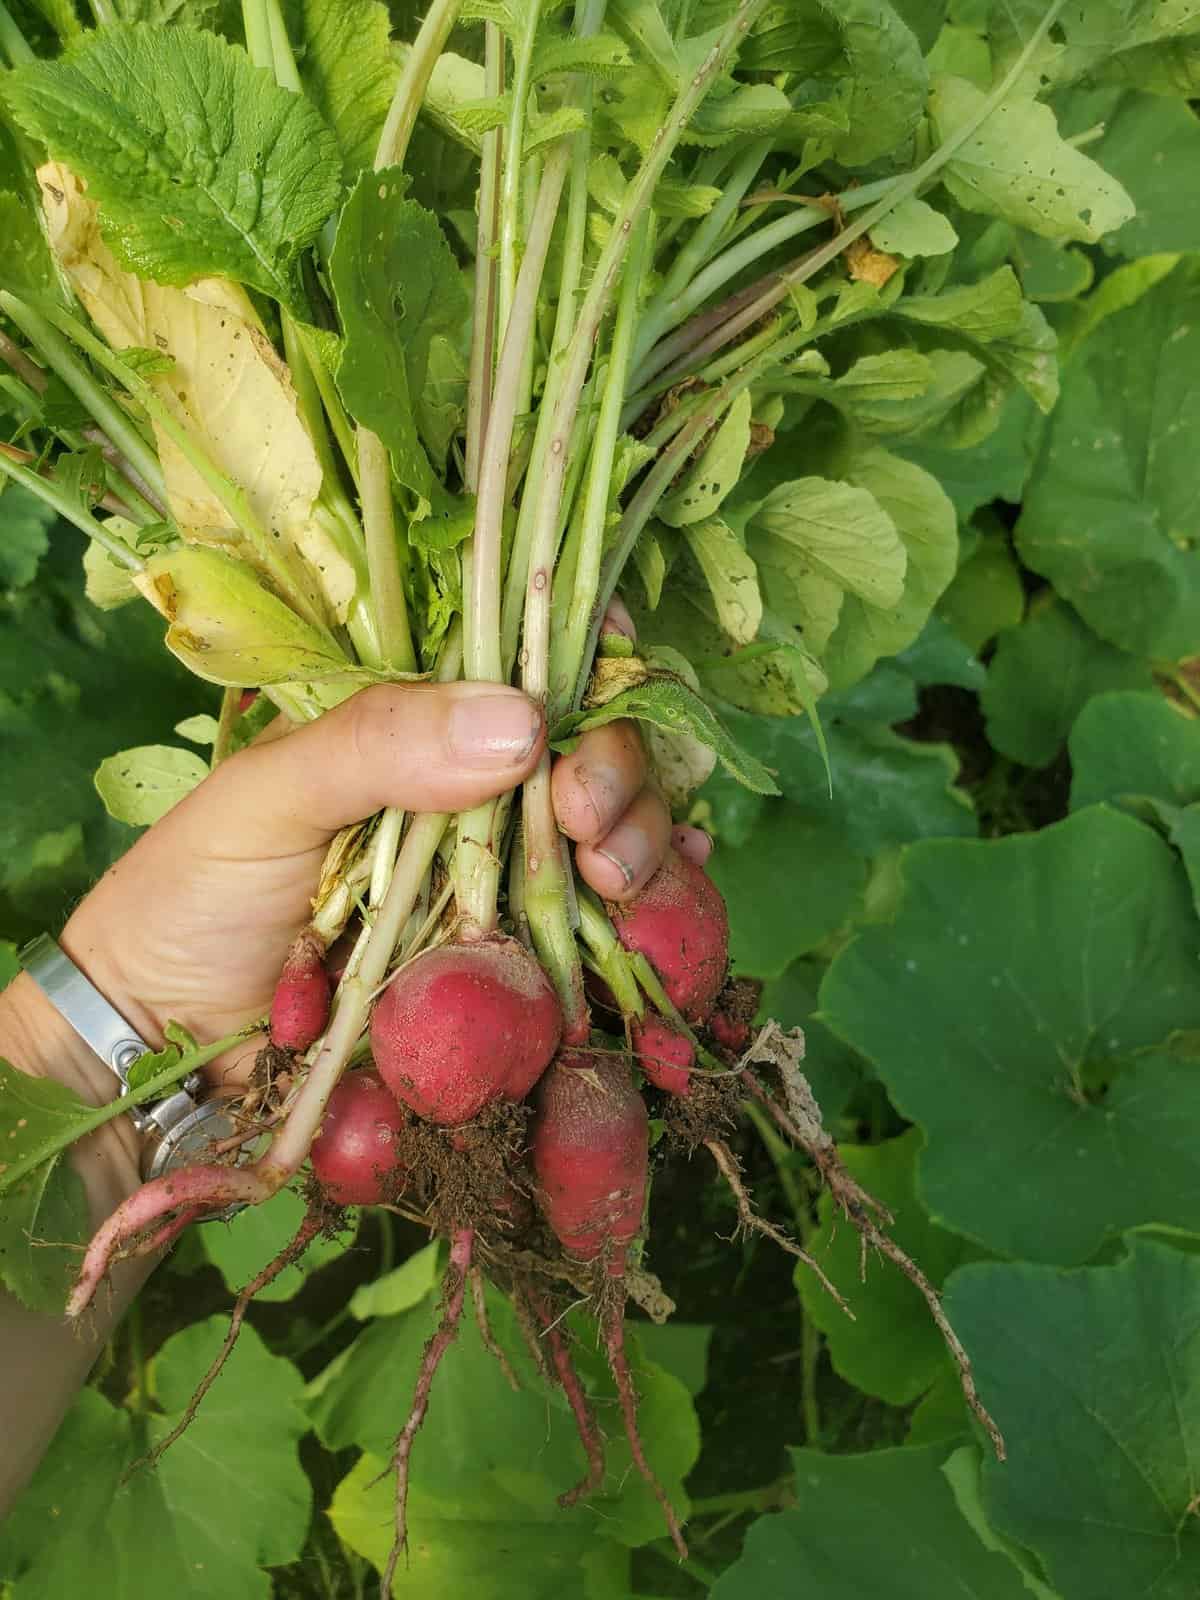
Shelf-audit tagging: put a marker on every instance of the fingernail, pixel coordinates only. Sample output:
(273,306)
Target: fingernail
(630,850)
(493,730)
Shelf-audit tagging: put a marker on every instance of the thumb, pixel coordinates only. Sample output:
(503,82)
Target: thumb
(420,747)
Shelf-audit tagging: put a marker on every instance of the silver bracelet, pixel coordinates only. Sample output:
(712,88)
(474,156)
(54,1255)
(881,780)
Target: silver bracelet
(179,1129)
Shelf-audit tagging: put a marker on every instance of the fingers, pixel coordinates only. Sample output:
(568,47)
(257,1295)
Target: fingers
(692,843)
(425,747)
(629,855)
(596,784)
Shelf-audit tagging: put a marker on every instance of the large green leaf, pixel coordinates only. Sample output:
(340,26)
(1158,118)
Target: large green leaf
(1152,146)
(1126,746)
(75,685)
(227,1500)
(1007,1007)
(1111,511)
(769,929)
(892,1348)
(398,286)
(490,1463)
(885,77)
(200,163)
(1043,674)
(245,1244)
(44,1216)
(1094,1378)
(25,522)
(883,1526)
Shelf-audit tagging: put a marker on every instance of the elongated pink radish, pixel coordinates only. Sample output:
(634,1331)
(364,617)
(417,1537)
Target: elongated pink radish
(463,1026)
(664,1054)
(300,1009)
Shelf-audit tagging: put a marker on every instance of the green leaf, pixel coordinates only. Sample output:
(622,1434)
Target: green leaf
(731,576)
(963,1473)
(349,72)
(1043,674)
(1151,145)
(1017,167)
(1126,746)
(885,78)
(200,164)
(680,1348)
(768,930)
(883,1524)
(886,789)
(986,596)
(140,786)
(838,531)
(708,481)
(1089,1375)
(490,1470)
(925,522)
(914,228)
(399,1290)
(241,1247)
(25,523)
(243,1438)
(833,1070)
(995,468)
(44,1216)
(228,628)
(397,286)
(1110,513)
(24,259)
(892,1349)
(1015,991)
(666,702)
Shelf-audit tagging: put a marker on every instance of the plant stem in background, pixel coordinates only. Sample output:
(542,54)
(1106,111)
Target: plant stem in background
(71,509)
(414,80)
(12,40)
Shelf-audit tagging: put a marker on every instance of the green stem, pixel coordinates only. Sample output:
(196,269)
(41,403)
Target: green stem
(483,325)
(49,492)
(256,24)
(286,75)
(567,663)
(13,41)
(743,1500)
(514,157)
(383,553)
(414,80)
(703,1575)
(611,958)
(98,402)
(343,428)
(153,1089)
(231,704)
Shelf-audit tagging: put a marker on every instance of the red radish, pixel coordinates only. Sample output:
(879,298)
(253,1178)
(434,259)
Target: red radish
(354,1155)
(664,1054)
(463,1026)
(338,955)
(729,1032)
(678,922)
(300,1009)
(590,1145)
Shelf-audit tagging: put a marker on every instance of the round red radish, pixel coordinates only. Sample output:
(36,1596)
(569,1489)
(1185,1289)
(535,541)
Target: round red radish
(664,1054)
(463,1026)
(354,1154)
(300,1007)
(589,1143)
(678,922)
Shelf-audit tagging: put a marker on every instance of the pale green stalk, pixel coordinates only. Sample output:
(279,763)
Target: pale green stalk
(256,24)
(483,324)
(339,421)
(512,197)
(12,40)
(414,80)
(98,402)
(48,491)
(566,651)
(286,75)
(383,553)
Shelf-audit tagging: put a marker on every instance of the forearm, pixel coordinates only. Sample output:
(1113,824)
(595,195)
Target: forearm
(45,1360)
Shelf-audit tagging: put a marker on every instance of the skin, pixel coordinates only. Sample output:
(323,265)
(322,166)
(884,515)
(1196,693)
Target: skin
(194,922)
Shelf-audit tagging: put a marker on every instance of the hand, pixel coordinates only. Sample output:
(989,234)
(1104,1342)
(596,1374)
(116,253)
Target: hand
(194,922)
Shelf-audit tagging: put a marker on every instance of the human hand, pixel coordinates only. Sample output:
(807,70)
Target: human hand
(193,924)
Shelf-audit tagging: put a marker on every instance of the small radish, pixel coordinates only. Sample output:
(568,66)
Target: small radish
(664,1055)
(465,1025)
(590,1148)
(300,1008)
(730,1032)
(354,1155)
(678,922)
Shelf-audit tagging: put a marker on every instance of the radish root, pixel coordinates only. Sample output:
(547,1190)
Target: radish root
(614,1344)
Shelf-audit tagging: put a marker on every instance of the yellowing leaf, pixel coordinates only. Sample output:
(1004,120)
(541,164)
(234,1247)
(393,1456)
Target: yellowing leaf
(865,264)
(141,785)
(731,576)
(226,386)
